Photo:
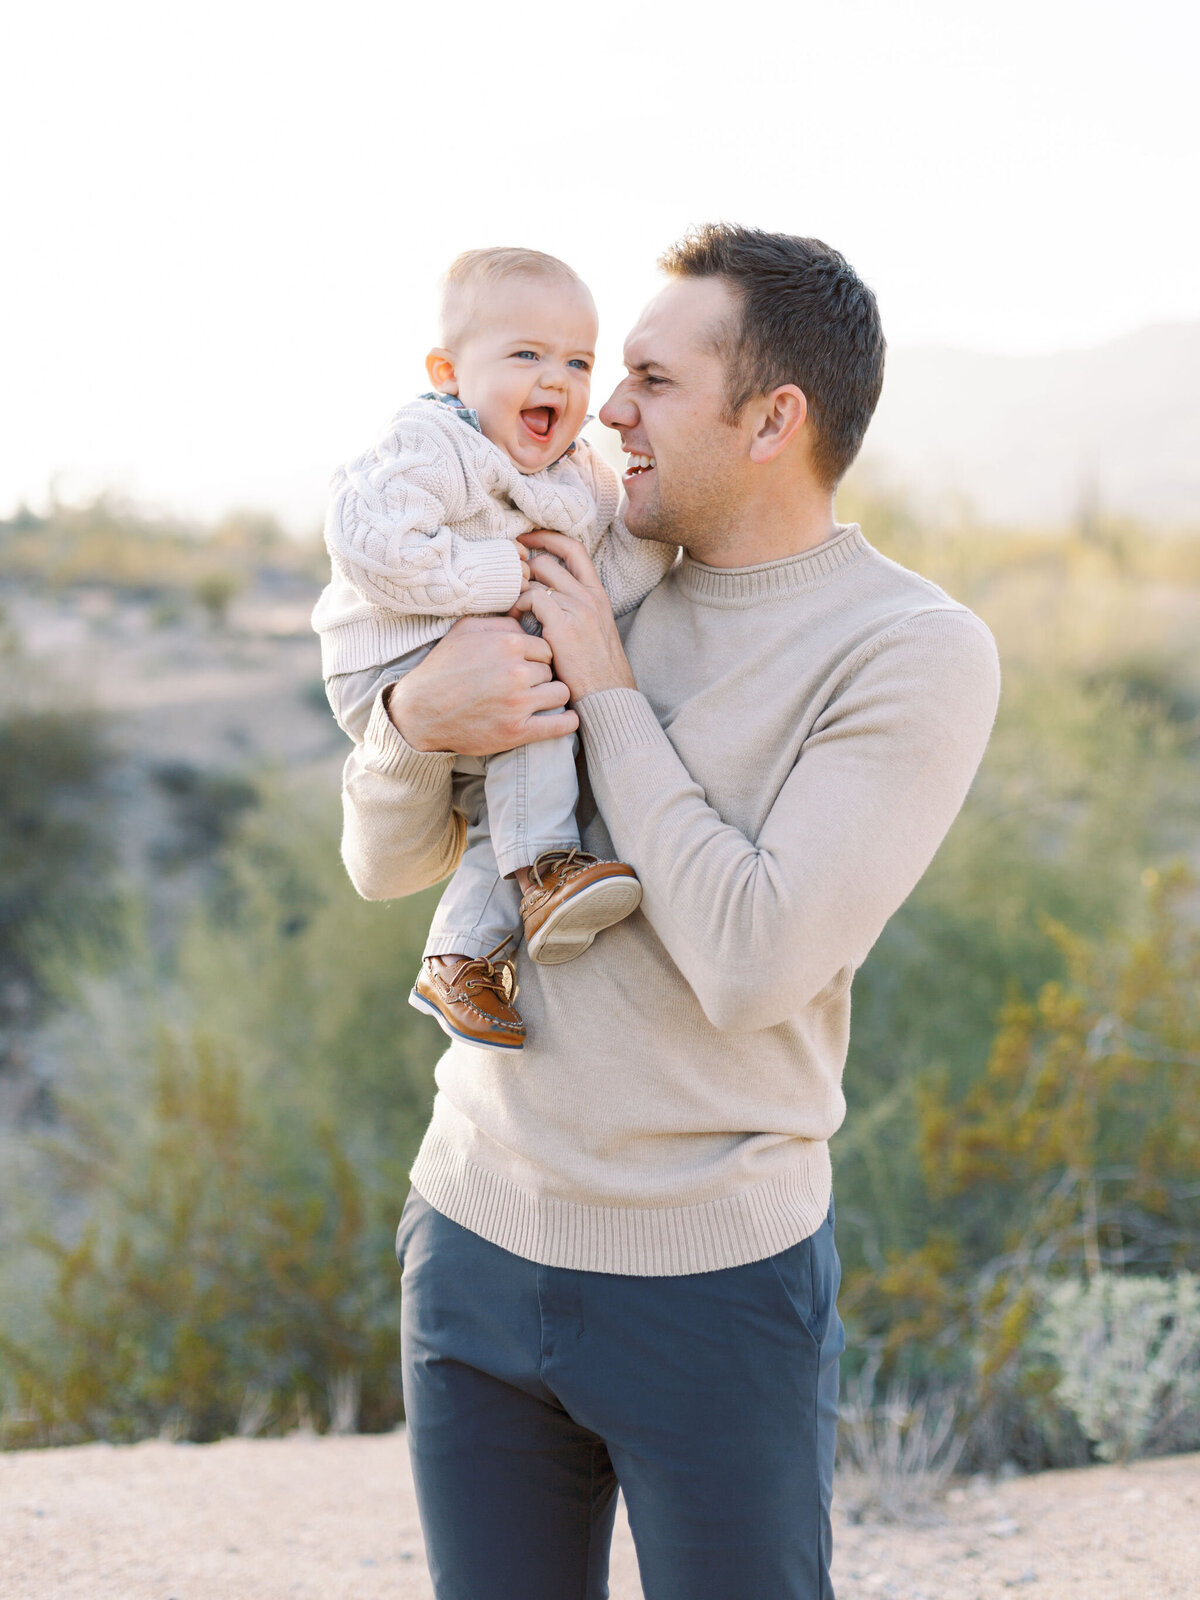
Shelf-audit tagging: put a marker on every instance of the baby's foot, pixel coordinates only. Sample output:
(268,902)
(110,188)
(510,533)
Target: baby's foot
(471,998)
(571,897)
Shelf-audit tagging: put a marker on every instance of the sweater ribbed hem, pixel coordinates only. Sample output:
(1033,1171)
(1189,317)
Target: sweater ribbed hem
(613,720)
(387,751)
(374,638)
(633,1241)
(772,580)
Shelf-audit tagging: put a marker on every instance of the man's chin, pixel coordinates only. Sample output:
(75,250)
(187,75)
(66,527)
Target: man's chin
(644,524)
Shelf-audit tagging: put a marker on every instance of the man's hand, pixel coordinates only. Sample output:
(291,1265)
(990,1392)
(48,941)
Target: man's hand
(569,601)
(478,691)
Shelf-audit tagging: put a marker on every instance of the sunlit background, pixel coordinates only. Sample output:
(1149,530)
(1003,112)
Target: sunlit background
(223,229)
(225,223)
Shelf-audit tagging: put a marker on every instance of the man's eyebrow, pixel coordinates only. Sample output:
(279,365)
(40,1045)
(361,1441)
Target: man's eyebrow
(645,366)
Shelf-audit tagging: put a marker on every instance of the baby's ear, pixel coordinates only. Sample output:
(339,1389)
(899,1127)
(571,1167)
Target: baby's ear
(439,364)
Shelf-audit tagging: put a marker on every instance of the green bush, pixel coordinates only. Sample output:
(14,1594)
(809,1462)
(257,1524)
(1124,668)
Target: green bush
(1079,793)
(219,1264)
(54,842)
(234,1137)
(205,810)
(1128,1354)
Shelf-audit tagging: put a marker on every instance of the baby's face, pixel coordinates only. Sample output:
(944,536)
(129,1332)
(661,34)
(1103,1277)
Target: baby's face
(525,366)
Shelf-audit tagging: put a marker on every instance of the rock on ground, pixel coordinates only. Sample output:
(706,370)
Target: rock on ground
(308,1518)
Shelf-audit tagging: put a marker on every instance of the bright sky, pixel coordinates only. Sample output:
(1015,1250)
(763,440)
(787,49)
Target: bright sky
(224,222)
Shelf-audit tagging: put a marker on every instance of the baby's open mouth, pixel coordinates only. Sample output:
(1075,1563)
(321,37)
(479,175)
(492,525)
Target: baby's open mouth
(540,420)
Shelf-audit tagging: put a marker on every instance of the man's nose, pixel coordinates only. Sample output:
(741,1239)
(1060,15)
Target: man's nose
(619,410)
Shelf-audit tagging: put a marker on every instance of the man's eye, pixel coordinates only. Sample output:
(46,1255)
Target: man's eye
(651,381)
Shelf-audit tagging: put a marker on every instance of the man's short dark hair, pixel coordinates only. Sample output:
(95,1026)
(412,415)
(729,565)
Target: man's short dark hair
(806,318)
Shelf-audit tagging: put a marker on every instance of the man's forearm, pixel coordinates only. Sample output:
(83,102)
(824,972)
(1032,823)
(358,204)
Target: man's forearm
(400,830)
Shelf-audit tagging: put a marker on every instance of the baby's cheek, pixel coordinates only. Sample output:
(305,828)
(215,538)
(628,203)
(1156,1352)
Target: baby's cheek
(578,409)
(495,421)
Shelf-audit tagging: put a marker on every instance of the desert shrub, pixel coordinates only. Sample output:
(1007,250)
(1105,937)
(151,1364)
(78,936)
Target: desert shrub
(1128,1354)
(1073,1152)
(1079,791)
(1020,1083)
(310,983)
(215,592)
(54,840)
(237,1115)
(220,1259)
(895,1453)
(205,809)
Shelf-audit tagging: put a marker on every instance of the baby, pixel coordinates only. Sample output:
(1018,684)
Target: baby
(421,530)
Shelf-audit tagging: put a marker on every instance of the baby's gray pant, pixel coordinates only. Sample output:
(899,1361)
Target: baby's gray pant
(517,804)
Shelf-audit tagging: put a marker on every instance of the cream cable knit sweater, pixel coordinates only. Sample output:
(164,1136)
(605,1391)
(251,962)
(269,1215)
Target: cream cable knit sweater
(802,735)
(421,530)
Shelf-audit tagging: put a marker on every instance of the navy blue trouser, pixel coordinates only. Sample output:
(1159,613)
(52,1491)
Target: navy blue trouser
(532,1392)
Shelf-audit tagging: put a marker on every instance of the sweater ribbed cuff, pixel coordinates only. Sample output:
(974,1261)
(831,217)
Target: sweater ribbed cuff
(614,720)
(492,574)
(388,752)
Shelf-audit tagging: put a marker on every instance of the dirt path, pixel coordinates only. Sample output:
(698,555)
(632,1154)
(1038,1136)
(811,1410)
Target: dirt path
(333,1519)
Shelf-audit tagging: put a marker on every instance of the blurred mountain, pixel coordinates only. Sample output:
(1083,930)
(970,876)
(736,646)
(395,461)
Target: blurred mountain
(1039,439)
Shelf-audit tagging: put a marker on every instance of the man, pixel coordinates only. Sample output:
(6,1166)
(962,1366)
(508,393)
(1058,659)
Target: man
(618,1254)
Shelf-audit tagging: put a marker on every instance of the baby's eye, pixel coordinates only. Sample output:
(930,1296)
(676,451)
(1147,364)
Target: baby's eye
(521,354)
(581,363)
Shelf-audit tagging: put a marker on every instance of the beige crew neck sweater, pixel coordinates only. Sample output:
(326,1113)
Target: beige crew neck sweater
(802,735)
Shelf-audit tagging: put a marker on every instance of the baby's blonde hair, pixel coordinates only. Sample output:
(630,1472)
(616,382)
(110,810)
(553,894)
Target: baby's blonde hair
(477,270)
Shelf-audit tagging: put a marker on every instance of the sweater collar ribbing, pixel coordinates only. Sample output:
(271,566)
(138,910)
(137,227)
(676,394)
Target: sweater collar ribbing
(772,580)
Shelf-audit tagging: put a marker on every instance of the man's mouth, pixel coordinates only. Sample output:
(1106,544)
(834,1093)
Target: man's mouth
(638,465)
(540,420)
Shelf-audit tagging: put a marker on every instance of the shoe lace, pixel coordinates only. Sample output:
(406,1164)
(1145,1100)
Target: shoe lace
(549,858)
(484,972)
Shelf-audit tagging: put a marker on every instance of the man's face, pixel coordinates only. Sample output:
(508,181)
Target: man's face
(687,466)
(525,365)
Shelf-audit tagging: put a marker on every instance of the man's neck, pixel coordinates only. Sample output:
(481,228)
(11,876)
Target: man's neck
(770,526)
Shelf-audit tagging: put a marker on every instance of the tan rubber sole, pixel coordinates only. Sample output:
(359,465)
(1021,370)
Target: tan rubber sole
(571,929)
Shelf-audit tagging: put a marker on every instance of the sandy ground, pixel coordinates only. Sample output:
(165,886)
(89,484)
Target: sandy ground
(334,1519)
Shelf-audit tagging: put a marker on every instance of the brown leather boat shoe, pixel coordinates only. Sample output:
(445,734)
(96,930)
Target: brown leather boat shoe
(473,1000)
(573,896)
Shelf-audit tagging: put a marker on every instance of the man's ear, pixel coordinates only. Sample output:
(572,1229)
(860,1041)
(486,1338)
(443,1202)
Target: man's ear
(781,415)
(439,364)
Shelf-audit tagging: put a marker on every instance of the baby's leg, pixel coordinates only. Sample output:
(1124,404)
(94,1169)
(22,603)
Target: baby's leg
(352,695)
(479,908)
(569,895)
(532,793)
(468,995)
